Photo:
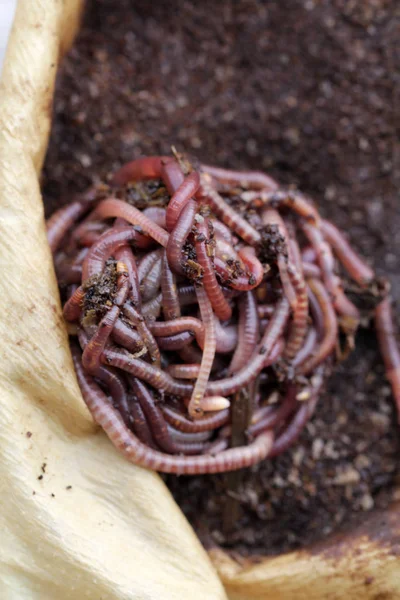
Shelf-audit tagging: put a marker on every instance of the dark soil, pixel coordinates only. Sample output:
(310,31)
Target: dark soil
(307,91)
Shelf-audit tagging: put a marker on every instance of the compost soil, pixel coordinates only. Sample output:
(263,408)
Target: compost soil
(306,91)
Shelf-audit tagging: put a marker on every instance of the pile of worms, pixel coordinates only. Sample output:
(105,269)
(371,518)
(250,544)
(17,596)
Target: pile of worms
(206,308)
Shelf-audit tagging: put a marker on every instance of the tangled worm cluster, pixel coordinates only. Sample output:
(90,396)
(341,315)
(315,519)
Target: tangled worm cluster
(184,288)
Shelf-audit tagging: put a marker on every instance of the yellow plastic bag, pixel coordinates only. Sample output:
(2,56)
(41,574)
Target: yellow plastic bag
(76,520)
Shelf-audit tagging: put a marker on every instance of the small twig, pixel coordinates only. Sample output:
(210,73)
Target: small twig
(241,407)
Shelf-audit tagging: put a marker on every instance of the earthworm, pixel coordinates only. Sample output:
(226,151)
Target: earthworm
(179,235)
(180,198)
(154,416)
(290,199)
(187,295)
(176,341)
(274,222)
(143,455)
(95,259)
(215,295)
(183,324)
(232,384)
(113,380)
(153,375)
(254,267)
(147,263)
(316,313)
(298,327)
(184,371)
(148,339)
(205,423)
(307,347)
(245,179)
(237,277)
(170,299)
(242,295)
(248,332)
(356,267)
(112,207)
(117,387)
(389,347)
(61,221)
(311,270)
(73,307)
(297,424)
(221,231)
(180,436)
(324,256)
(226,213)
(127,337)
(152,308)
(150,284)
(328,342)
(139,425)
(148,167)
(124,254)
(172,175)
(156,214)
(95,346)
(227,337)
(207,359)
(277,415)
(88,232)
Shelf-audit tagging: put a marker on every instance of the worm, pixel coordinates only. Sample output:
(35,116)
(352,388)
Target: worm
(207,316)
(275,416)
(229,286)
(148,339)
(172,175)
(205,423)
(95,259)
(389,347)
(112,207)
(356,267)
(143,455)
(127,337)
(156,214)
(124,254)
(184,371)
(214,292)
(61,221)
(297,424)
(327,345)
(170,298)
(150,284)
(248,332)
(298,327)
(179,235)
(176,341)
(226,213)
(181,197)
(245,179)
(148,167)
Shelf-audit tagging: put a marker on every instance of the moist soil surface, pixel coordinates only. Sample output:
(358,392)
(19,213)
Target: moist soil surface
(306,91)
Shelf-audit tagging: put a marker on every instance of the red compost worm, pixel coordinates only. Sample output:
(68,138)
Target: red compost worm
(229,283)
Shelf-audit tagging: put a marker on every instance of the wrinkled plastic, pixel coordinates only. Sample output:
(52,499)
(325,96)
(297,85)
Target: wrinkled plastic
(77,521)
